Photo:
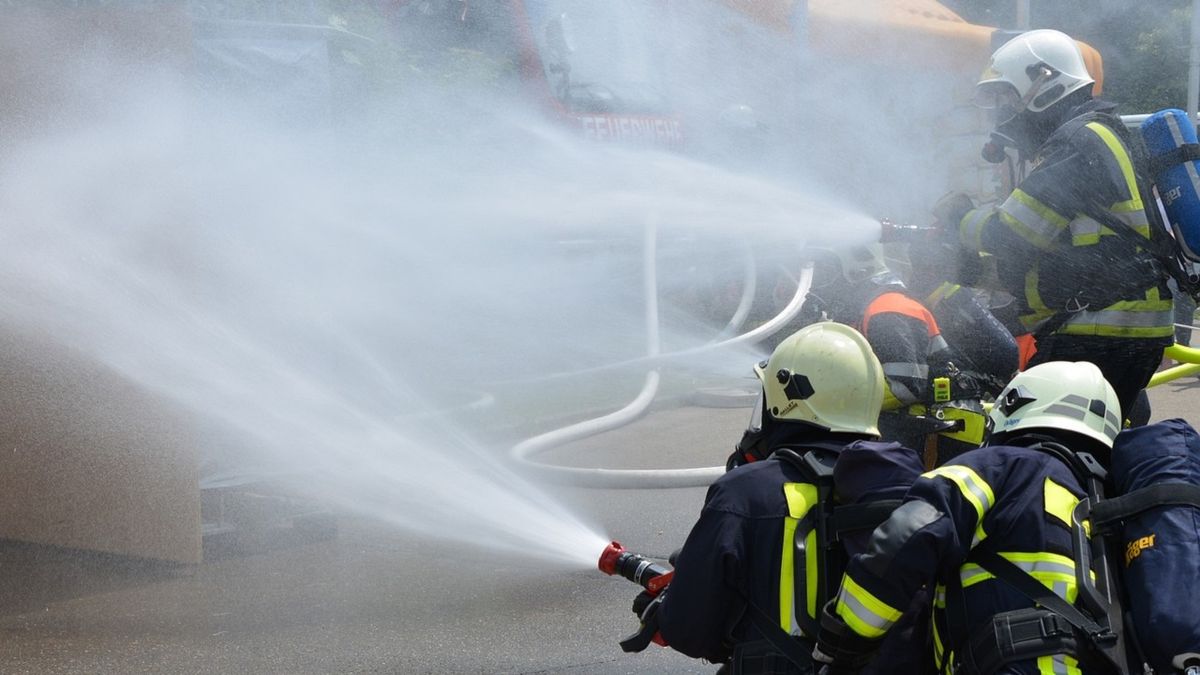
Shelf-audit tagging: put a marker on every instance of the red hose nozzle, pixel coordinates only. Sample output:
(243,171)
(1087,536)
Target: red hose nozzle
(639,569)
(609,557)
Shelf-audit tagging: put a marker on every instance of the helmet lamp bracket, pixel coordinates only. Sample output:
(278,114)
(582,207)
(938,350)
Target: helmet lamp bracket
(1016,398)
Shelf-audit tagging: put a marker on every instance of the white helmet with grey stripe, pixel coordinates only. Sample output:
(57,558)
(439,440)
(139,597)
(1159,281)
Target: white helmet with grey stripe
(1059,396)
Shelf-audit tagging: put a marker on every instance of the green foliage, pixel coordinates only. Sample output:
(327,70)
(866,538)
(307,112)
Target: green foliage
(1145,46)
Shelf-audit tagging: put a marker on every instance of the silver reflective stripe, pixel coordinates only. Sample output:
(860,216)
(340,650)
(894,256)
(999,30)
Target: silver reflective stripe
(969,482)
(904,369)
(1059,665)
(862,613)
(901,392)
(1066,411)
(971,228)
(1123,318)
(1111,417)
(1076,399)
(1083,226)
(972,573)
(1030,218)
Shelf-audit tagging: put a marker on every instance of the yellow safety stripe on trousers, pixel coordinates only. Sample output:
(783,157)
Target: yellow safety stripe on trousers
(800,498)
(1039,312)
(1152,317)
(1031,219)
(864,613)
(1059,501)
(1058,665)
(1131,318)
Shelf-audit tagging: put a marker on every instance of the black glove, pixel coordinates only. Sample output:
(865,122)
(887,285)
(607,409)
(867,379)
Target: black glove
(842,650)
(641,602)
(648,630)
(949,211)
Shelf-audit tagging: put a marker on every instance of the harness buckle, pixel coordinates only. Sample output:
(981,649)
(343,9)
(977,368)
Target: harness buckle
(1074,306)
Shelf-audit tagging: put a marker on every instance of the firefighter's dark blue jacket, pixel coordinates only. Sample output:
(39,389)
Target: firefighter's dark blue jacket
(1014,501)
(1046,247)
(740,548)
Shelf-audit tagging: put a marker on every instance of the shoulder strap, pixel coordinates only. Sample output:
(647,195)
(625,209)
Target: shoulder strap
(1160,242)
(857,517)
(785,644)
(1111,511)
(1187,152)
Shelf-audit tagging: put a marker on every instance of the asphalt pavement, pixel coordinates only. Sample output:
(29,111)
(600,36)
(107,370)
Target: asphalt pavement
(378,600)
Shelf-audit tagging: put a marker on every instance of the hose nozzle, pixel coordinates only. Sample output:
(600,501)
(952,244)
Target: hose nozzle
(891,231)
(616,560)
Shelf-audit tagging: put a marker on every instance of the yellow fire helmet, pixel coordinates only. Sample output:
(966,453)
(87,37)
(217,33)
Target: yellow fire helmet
(826,375)
(1062,396)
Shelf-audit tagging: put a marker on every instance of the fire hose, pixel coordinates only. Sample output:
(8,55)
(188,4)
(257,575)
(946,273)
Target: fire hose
(525,451)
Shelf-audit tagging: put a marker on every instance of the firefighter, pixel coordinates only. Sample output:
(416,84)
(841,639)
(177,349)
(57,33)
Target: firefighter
(855,286)
(1012,499)
(742,593)
(1086,293)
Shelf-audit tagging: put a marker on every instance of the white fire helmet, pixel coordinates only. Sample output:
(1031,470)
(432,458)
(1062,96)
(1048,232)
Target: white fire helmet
(824,374)
(1032,71)
(1062,396)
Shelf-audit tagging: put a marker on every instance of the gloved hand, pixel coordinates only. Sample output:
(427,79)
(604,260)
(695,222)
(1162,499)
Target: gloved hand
(948,212)
(642,601)
(844,651)
(648,631)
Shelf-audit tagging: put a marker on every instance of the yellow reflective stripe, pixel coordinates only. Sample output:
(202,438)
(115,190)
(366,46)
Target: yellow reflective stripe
(938,648)
(1031,219)
(1085,231)
(810,574)
(800,498)
(1058,665)
(945,290)
(980,535)
(1122,157)
(1053,571)
(974,424)
(1132,318)
(864,613)
(890,402)
(1059,501)
(1133,206)
(973,488)
(970,228)
(1039,312)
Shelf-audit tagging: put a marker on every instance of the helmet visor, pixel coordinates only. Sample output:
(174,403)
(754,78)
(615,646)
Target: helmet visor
(998,96)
